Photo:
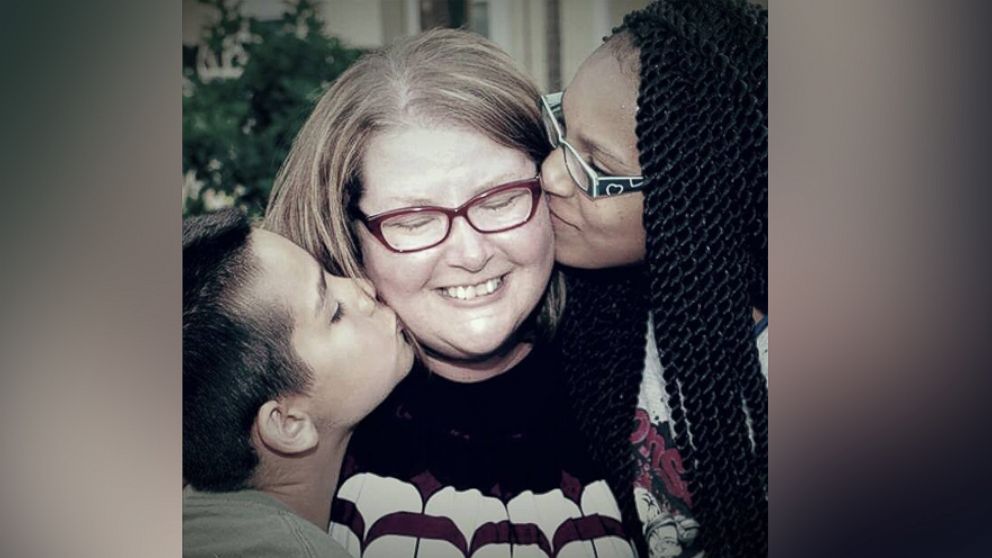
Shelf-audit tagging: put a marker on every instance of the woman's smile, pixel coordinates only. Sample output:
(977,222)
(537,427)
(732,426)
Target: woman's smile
(480,290)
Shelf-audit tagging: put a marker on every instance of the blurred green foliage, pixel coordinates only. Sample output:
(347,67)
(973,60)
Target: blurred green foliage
(238,127)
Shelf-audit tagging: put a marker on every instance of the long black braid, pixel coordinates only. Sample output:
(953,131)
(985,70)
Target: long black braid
(703,141)
(702,137)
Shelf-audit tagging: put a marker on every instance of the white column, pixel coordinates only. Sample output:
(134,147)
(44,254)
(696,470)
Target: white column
(600,20)
(577,36)
(356,23)
(501,25)
(412,17)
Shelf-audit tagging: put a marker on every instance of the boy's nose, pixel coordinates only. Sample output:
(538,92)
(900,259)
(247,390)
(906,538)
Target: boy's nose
(554,176)
(366,296)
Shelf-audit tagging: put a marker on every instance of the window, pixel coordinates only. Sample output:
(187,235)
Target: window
(443,13)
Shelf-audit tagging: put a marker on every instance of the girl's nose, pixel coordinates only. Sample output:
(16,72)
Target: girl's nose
(554,176)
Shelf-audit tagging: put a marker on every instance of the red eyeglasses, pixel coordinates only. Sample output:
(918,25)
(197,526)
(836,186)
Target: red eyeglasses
(501,208)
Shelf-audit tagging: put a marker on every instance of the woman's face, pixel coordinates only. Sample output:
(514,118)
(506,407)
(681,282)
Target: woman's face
(599,109)
(447,166)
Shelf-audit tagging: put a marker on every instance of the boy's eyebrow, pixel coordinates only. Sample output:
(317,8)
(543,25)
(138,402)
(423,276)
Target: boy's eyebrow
(321,291)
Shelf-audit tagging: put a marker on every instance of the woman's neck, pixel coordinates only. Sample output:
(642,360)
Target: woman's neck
(469,371)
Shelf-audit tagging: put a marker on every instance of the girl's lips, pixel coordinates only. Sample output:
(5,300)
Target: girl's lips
(557,217)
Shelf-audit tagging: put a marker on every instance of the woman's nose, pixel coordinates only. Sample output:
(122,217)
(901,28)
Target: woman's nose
(466,247)
(554,176)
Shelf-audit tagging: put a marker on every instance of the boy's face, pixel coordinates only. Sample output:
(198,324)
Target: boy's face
(353,344)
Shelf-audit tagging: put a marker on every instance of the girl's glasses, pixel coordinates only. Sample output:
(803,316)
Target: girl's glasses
(585,177)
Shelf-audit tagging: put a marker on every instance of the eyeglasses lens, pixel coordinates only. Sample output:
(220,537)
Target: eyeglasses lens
(506,209)
(415,230)
(501,211)
(575,169)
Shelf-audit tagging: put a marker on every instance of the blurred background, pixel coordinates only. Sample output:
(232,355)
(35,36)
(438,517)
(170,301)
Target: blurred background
(879,173)
(252,70)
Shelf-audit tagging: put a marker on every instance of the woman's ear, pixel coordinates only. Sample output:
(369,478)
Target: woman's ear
(286,427)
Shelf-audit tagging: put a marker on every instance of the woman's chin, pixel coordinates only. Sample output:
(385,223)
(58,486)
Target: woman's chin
(470,351)
(475,348)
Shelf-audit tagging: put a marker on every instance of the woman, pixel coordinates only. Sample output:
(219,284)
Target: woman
(419,170)
(660,183)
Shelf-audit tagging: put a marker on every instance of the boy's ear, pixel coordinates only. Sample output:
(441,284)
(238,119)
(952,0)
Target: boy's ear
(285,426)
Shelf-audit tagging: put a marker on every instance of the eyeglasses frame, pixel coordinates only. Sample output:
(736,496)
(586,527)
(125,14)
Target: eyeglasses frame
(601,186)
(373,223)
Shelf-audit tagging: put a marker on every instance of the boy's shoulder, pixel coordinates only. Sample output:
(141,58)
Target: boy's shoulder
(249,523)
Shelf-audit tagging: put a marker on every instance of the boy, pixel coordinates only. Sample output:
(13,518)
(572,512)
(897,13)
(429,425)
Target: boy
(280,362)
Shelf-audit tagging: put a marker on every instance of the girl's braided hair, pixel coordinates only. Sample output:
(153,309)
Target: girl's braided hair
(702,129)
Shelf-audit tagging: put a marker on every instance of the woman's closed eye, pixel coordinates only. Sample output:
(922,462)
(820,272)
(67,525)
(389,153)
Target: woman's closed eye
(338,313)
(410,224)
(505,201)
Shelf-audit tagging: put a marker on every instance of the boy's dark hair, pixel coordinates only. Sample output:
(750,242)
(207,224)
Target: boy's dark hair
(236,353)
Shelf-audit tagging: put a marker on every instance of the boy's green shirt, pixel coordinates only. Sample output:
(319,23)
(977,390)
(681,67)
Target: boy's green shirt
(249,523)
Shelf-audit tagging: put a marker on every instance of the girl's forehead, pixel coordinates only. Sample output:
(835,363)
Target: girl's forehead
(600,108)
(602,77)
